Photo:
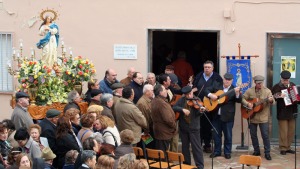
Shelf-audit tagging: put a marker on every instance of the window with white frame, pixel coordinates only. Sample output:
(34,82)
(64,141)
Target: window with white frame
(6,80)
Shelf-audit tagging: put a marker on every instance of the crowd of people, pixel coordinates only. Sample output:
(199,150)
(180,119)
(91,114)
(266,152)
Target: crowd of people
(162,107)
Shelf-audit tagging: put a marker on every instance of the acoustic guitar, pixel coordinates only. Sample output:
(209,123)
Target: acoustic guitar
(258,105)
(212,105)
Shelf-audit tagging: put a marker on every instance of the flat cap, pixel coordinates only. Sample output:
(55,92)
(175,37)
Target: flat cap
(21,94)
(95,92)
(258,78)
(174,78)
(228,76)
(117,86)
(47,154)
(285,74)
(186,89)
(171,67)
(52,113)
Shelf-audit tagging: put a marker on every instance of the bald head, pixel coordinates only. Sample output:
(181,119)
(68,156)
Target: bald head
(111,75)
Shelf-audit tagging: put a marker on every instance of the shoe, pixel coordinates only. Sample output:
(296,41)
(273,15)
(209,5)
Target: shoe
(227,156)
(256,153)
(207,149)
(283,152)
(290,151)
(213,155)
(268,157)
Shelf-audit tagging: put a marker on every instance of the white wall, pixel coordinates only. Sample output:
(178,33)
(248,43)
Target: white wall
(92,27)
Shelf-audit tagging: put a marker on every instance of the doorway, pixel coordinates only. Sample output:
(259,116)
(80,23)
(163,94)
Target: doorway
(199,46)
(286,45)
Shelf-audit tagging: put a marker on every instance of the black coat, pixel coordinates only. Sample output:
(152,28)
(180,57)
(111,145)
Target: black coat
(48,131)
(227,108)
(200,83)
(284,112)
(65,144)
(138,91)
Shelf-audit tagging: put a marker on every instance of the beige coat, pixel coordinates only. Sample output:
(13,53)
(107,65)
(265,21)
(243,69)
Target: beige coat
(130,117)
(263,116)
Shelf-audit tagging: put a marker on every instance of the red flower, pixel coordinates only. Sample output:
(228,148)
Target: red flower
(80,73)
(35,82)
(30,63)
(80,66)
(87,62)
(49,70)
(45,67)
(24,85)
(23,80)
(80,57)
(34,62)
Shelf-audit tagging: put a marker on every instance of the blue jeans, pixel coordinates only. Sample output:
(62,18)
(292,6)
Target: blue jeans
(226,128)
(264,129)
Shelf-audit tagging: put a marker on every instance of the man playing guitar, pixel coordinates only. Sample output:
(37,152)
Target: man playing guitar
(260,118)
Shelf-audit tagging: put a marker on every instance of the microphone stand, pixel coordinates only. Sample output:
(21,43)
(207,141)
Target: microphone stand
(212,132)
(295,116)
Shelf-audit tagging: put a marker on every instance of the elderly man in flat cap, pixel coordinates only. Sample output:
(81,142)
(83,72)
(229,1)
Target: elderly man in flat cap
(48,126)
(260,92)
(20,116)
(285,114)
(223,115)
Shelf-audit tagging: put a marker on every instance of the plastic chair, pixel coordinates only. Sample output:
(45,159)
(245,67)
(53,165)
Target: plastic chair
(250,160)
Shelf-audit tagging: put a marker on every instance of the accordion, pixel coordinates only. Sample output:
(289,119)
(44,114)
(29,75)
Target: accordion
(292,95)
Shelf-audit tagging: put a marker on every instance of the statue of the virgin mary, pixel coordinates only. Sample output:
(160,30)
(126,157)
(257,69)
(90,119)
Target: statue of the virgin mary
(50,32)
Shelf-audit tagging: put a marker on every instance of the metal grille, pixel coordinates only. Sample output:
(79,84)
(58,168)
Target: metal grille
(6,80)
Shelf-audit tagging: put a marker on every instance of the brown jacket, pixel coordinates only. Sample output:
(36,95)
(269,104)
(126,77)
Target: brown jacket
(262,116)
(163,117)
(144,104)
(130,117)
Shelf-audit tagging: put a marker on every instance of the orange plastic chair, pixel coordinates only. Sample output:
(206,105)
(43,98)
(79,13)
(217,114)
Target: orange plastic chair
(250,160)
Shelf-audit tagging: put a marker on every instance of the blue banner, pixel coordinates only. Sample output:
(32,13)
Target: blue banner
(241,71)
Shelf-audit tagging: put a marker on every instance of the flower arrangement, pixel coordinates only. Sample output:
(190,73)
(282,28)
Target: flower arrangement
(54,83)
(77,70)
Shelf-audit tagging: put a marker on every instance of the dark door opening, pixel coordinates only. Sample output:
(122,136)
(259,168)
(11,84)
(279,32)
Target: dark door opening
(198,46)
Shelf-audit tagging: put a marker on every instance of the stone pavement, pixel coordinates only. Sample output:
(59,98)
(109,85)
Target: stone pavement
(278,161)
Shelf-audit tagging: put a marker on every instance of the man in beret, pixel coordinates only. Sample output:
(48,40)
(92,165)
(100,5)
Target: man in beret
(259,118)
(95,97)
(117,94)
(48,126)
(189,126)
(20,116)
(285,114)
(223,116)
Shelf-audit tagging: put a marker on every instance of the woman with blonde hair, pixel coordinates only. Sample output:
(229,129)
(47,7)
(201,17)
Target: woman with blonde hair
(109,131)
(23,161)
(105,162)
(96,110)
(140,164)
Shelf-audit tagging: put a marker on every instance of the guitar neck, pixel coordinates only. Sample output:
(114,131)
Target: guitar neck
(224,94)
